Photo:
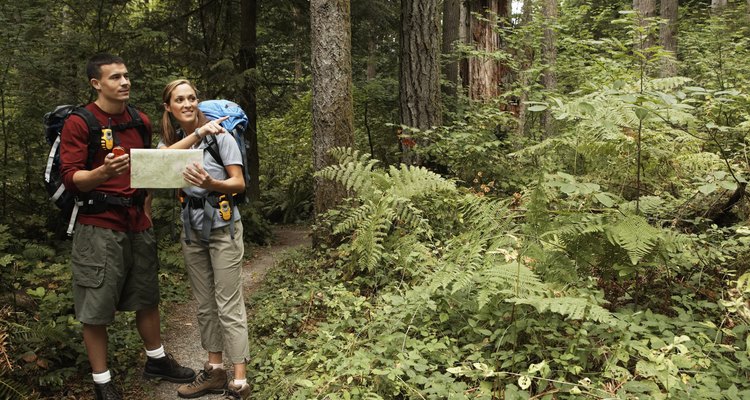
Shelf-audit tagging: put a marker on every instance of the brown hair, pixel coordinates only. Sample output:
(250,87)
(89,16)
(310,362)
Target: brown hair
(169,134)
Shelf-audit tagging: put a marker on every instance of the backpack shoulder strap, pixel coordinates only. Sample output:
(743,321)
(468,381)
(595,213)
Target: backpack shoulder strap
(140,125)
(95,132)
(213,149)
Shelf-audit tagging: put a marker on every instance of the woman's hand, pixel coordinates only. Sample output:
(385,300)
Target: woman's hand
(212,127)
(197,176)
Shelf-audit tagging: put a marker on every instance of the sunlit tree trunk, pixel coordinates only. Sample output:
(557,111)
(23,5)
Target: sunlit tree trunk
(668,37)
(332,109)
(549,54)
(419,91)
(248,62)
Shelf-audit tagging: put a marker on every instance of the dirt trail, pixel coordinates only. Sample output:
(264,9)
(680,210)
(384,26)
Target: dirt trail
(181,337)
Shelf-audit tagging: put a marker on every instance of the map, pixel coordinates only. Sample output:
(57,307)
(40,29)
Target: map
(161,168)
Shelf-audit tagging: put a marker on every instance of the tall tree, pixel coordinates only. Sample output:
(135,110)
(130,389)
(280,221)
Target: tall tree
(527,59)
(549,54)
(645,9)
(420,67)
(332,108)
(484,74)
(451,23)
(668,37)
(718,5)
(248,64)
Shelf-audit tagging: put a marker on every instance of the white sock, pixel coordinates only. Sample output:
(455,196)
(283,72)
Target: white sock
(156,353)
(216,366)
(240,382)
(102,377)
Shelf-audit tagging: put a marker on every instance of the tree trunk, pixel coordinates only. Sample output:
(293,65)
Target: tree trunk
(332,109)
(668,37)
(549,54)
(645,9)
(527,60)
(484,72)
(465,38)
(451,23)
(718,5)
(419,80)
(248,62)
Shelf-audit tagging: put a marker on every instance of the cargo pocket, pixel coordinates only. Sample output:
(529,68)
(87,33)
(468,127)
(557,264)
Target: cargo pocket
(88,261)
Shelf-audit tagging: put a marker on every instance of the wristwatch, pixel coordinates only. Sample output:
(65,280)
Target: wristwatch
(198,133)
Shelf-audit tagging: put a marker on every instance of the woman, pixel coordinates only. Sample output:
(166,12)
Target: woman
(213,263)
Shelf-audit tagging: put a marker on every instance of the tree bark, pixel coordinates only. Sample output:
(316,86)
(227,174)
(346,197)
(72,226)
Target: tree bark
(332,108)
(645,9)
(668,37)
(484,72)
(718,5)
(248,63)
(419,80)
(526,62)
(549,54)
(451,23)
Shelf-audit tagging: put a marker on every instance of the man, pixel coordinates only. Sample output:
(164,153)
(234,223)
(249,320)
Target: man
(114,258)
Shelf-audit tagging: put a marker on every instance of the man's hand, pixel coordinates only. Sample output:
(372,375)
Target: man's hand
(114,166)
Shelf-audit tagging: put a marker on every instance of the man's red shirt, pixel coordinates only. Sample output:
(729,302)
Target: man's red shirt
(74,142)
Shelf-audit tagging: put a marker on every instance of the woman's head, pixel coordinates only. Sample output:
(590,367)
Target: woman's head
(180,99)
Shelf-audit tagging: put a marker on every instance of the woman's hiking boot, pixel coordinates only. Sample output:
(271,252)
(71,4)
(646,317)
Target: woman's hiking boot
(168,369)
(106,391)
(208,380)
(235,392)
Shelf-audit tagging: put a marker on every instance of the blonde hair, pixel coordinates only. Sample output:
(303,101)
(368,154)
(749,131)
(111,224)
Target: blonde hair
(169,133)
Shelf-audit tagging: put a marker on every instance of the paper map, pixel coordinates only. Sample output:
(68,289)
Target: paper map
(161,168)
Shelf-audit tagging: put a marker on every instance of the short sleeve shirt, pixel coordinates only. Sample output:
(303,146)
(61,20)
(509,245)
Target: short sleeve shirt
(230,155)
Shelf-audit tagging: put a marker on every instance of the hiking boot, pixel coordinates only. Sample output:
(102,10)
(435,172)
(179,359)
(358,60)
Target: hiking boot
(168,369)
(106,391)
(235,392)
(208,380)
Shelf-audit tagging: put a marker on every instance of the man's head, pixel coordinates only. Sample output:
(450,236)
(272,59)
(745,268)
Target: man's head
(109,77)
(94,67)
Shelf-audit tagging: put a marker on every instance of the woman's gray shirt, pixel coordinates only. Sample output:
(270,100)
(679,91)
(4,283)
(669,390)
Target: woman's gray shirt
(231,155)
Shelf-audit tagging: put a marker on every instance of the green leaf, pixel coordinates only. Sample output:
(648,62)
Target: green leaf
(604,199)
(537,107)
(641,113)
(708,188)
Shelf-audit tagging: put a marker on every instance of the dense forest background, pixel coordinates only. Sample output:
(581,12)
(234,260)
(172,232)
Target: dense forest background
(535,199)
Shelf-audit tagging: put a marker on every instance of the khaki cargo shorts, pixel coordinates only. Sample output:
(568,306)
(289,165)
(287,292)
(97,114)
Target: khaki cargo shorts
(113,271)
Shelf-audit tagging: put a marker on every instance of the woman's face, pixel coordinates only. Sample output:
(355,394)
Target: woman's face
(183,104)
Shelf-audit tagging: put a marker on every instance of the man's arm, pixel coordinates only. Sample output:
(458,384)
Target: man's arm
(74,154)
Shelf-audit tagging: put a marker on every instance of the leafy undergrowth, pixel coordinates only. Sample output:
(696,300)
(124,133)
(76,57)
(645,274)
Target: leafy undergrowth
(437,293)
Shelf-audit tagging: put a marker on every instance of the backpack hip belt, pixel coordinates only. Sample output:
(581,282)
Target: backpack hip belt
(210,205)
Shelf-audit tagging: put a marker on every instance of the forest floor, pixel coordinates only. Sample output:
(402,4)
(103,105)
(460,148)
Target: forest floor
(181,336)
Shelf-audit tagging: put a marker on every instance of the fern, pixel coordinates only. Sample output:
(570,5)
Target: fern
(634,234)
(571,307)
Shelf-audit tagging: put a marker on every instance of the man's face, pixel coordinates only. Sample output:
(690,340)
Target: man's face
(114,84)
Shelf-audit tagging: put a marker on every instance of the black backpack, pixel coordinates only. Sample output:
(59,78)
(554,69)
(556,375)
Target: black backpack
(53,125)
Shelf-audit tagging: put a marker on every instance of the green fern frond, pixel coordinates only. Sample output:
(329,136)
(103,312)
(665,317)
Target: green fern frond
(571,307)
(409,181)
(634,234)
(12,390)
(370,235)
(354,217)
(666,84)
